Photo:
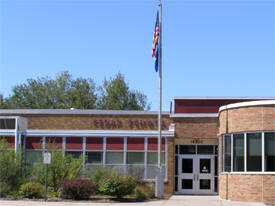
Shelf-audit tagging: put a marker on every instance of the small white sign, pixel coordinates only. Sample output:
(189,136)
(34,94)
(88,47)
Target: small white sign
(47,158)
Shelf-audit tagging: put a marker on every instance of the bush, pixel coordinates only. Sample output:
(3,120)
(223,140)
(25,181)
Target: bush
(10,169)
(99,174)
(62,167)
(31,190)
(77,189)
(150,191)
(139,194)
(117,185)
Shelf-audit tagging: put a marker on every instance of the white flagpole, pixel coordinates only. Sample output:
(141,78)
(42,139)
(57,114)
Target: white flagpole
(159,185)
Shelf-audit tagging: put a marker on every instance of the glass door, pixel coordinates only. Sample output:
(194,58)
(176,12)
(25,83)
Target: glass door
(196,174)
(205,174)
(186,184)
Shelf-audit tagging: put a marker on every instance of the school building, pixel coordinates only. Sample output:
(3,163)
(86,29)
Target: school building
(210,145)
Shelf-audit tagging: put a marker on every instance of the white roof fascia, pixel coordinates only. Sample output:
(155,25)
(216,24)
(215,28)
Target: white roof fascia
(247,104)
(79,111)
(221,98)
(7,132)
(193,115)
(99,133)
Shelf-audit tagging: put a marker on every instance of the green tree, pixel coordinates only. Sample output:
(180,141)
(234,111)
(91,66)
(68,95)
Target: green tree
(115,94)
(63,92)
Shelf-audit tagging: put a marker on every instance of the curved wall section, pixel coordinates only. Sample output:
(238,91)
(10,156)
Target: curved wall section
(247,119)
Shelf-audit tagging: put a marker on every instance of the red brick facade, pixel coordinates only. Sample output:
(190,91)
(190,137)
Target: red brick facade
(246,187)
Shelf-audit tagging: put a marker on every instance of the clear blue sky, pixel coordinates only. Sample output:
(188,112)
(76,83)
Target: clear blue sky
(210,47)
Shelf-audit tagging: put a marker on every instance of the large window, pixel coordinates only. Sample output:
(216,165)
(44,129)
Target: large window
(270,151)
(238,152)
(249,152)
(254,152)
(227,153)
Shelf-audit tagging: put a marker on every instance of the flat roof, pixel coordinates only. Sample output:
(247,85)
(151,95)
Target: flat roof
(221,97)
(79,111)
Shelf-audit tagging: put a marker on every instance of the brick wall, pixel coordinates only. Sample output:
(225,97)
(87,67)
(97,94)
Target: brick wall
(255,118)
(95,122)
(196,127)
(246,187)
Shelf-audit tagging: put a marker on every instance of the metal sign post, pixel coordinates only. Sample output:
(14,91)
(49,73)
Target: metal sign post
(46,160)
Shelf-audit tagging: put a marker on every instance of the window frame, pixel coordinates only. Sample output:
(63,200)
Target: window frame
(245,153)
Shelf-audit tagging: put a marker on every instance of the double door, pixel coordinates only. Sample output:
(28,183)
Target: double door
(196,174)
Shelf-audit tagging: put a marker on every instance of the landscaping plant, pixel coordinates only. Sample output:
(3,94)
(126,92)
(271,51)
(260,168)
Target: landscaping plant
(117,185)
(62,167)
(77,189)
(31,190)
(139,194)
(10,169)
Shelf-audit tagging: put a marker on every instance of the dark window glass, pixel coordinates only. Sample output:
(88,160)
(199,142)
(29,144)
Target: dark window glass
(254,152)
(227,153)
(238,152)
(7,123)
(216,166)
(176,149)
(187,165)
(216,149)
(205,149)
(270,152)
(216,184)
(176,165)
(187,184)
(75,154)
(94,157)
(205,184)
(187,149)
(205,166)
(176,184)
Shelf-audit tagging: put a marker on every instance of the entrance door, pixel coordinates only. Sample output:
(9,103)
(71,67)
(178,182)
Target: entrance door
(196,174)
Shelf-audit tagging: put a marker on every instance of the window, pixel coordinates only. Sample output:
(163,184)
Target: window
(114,157)
(227,153)
(33,157)
(248,153)
(74,154)
(135,157)
(94,157)
(238,152)
(152,158)
(254,152)
(270,151)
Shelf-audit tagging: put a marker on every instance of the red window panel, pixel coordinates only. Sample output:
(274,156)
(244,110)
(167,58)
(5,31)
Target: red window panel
(153,144)
(74,143)
(94,143)
(34,143)
(54,142)
(10,141)
(135,143)
(115,144)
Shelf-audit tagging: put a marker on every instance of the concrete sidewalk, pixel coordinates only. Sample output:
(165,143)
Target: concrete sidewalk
(176,200)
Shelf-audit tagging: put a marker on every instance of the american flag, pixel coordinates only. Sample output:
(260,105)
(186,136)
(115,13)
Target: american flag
(156,36)
(155,43)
